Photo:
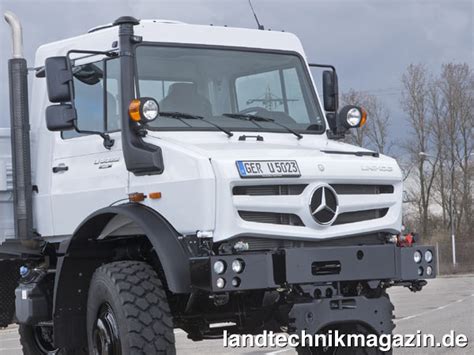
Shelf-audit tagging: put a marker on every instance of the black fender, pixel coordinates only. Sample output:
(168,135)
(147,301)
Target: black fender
(77,262)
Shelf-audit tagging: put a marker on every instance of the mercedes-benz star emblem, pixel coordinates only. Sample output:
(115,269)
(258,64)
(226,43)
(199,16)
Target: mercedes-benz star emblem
(324,205)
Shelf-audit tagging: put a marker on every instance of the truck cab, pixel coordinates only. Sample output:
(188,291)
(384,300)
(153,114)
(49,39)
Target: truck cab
(199,165)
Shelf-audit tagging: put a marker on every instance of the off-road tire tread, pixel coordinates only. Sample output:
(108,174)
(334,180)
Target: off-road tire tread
(145,305)
(29,348)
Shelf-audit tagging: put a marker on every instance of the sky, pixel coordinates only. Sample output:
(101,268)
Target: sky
(370,42)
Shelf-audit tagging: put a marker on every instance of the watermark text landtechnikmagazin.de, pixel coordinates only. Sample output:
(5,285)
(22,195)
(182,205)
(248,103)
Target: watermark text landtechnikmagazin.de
(334,338)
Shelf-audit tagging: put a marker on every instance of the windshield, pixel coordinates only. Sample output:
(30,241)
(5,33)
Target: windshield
(213,83)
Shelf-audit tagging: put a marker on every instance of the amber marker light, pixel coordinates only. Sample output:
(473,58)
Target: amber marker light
(143,110)
(136,197)
(363,120)
(154,195)
(134,110)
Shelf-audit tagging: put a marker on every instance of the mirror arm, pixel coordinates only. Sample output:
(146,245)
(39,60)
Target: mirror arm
(332,67)
(108,142)
(335,136)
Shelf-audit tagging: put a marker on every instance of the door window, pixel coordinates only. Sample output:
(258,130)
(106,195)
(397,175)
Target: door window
(90,89)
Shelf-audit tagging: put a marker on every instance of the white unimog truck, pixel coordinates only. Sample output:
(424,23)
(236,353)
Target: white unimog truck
(183,176)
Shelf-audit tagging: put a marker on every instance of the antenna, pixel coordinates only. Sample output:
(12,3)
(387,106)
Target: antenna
(260,27)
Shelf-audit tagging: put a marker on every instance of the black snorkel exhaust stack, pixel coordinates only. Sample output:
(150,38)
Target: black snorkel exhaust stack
(20,133)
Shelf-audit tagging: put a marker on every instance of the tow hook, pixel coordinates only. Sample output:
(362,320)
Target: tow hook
(416,285)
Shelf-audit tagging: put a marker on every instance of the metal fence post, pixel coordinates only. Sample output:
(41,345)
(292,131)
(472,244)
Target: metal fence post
(437,258)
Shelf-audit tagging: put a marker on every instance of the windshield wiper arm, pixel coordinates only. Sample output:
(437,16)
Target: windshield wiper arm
(186,116)
(254,119)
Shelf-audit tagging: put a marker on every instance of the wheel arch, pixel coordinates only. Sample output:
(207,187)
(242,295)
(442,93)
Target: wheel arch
(77,262)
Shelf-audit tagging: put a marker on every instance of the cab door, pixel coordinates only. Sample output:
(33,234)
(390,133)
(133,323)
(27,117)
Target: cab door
(86,176)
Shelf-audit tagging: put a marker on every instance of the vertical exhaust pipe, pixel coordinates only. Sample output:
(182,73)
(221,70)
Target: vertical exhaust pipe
(20,133)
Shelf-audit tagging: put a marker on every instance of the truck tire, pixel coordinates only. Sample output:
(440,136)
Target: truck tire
(37,340)
(128,312)
(349,328)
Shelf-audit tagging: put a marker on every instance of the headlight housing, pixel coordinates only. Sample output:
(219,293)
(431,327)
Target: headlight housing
(219,267)
(237,266)
(352,116)
(143,110)
(428,256)
(220,282)
(417,256)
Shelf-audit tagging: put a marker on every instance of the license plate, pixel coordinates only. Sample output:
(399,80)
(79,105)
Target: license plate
(268,168)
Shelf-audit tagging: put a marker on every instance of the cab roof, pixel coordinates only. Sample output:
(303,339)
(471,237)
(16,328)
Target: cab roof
(165,31)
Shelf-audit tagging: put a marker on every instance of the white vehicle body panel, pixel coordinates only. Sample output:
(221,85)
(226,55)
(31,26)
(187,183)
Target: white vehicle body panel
(200,170)
(223,152)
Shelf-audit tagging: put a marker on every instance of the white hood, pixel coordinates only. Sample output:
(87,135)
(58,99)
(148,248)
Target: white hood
(321,162)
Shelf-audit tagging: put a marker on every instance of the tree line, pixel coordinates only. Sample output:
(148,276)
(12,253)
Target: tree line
(437,152)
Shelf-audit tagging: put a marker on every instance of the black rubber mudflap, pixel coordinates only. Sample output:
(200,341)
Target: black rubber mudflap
(9,276)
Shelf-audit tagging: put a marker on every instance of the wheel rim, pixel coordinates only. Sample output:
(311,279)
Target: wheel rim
(105,334)
(43,337)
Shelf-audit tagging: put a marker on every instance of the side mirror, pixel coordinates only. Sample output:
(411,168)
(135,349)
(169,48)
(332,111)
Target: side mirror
(330,91)
(60,117)
(351,116)
(58,79)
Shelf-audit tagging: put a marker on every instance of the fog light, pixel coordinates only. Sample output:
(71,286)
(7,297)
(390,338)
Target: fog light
(236,282)
(237,266)
(220,283)
(429,270)
(428,256)
(420,271)
(219,267)
(417,256)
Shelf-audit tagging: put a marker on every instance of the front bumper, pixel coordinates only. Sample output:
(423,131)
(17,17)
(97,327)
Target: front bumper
(270,270)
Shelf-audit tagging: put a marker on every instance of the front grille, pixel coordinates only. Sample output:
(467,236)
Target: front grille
(269,190)
(265,198)
(358,189)
(271,218)
(359,216)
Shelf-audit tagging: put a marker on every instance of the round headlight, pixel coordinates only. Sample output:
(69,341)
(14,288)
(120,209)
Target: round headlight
(417,256)
(237,266)
(429,270)
(420,271)
(354,116)
(219,267)
(428,256)
(150,110)
(236,282)
(220,282)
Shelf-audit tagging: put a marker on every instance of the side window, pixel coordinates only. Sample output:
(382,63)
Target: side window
(260,90)
(89,85)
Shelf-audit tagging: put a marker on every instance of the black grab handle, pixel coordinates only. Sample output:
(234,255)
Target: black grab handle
(57,169)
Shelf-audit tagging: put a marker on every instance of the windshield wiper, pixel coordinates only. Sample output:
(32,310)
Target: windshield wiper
(254,119)
(181,116)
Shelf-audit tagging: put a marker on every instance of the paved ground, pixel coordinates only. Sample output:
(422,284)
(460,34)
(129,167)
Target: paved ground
(445,304)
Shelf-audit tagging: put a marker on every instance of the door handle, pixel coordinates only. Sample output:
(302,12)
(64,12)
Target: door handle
(59,168)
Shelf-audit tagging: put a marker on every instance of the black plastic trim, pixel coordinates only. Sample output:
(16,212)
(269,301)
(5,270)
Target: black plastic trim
(77,263)
(141,158)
